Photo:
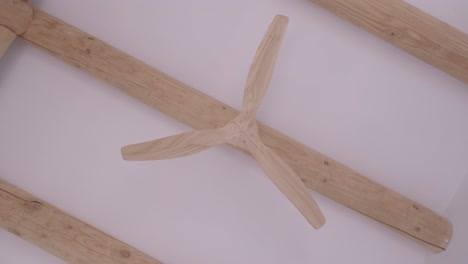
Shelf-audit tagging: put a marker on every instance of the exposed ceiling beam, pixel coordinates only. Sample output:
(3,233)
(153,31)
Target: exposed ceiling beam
(201,111)
(16,15)
(15,18)
(59,233)
(409,29)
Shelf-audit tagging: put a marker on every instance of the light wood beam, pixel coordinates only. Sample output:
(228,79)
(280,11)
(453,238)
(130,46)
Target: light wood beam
(201,111)
(16,15)
(15,18)
(6,38)
(409,29)
(64,236)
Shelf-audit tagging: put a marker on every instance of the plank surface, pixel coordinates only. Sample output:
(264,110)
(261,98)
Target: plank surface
(201,111)
(16,15)
(58,233)
(6,38)
(409,29)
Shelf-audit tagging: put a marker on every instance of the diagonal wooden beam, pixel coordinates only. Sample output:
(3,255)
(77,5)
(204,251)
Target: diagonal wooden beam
(58,233)
(201,111)
(409,29)
(16,15)
(15,18)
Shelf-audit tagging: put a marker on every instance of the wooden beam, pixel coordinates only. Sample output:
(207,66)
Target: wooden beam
(409,29)
(16,15)
(201,111)
(15,18)
(6,38)
(59,233)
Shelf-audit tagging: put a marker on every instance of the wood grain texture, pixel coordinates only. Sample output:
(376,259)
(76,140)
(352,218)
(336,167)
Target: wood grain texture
(6,38)
(409,29)
(16,15)
(60,234)
(263,65)
(242,131)
(279,172)
(285,179)
(201,111)
(176,146)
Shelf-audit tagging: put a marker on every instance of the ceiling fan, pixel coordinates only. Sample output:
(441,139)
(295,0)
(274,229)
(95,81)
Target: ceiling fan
(242,131)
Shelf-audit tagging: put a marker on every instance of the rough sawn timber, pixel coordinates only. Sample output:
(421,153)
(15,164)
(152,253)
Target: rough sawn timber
(410,29)
(58,233)
(201,111)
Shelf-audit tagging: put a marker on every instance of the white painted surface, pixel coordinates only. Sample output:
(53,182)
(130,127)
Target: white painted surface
(457,253)
(359,100)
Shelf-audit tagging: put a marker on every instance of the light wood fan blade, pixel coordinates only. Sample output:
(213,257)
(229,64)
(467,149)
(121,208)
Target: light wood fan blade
(287,182)
(175,146)
(263,64)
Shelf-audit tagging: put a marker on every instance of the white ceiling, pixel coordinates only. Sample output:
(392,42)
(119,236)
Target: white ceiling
(353,97)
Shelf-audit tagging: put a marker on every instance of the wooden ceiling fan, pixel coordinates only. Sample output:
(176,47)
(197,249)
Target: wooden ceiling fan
(242,131)
(407,25)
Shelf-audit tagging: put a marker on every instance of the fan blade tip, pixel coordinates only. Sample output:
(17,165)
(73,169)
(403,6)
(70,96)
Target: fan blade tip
(125,157)
(124,152)
(128,157)
(282,18)
(319,224)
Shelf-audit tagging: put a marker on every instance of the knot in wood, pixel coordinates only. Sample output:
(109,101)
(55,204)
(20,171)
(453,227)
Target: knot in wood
(125,253)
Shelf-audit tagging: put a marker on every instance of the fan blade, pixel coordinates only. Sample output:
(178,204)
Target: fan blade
(287,182)
(175,146)
(263,64)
